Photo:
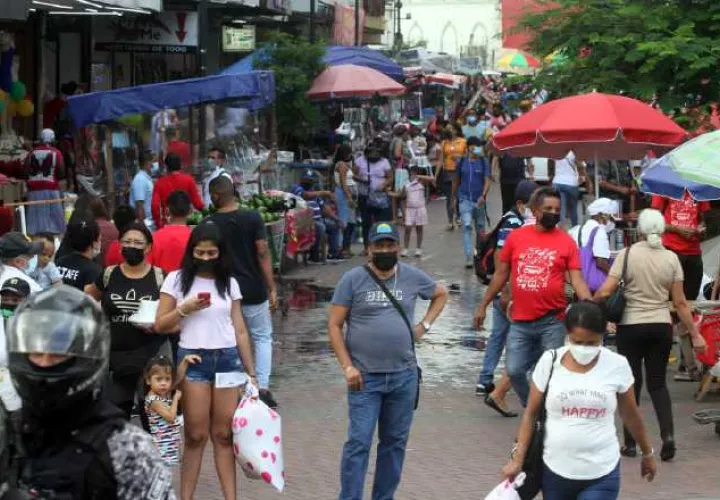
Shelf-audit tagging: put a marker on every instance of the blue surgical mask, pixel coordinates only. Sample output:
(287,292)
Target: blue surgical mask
(155,169)
(477,150)
(472,120)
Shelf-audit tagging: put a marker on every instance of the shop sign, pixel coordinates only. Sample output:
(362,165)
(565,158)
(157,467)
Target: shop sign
(16,10)
(238,39)
(166,32)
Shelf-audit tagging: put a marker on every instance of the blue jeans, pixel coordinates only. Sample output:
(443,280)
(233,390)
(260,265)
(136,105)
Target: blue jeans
(386,400)
(259,324)
(469,213)
(212,362)
(495,344)
(325,227)
(556,487)
(525,344)
(569,196)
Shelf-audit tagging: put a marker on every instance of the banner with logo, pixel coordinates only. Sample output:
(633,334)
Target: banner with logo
(166,32)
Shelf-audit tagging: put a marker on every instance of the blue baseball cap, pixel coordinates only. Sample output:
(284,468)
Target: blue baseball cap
(383,231)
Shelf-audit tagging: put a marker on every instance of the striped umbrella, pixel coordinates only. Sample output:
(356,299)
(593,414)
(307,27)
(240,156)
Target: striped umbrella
(518,60)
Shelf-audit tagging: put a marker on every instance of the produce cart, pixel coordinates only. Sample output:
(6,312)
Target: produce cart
(300,231)
(275,235)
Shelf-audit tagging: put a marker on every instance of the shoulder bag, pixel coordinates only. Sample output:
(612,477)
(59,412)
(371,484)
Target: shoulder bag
(593,275)
(615,304)
(533,463)
(401,311)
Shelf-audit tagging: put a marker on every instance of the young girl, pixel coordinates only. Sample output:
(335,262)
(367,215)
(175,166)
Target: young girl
(161,405)
(416,211)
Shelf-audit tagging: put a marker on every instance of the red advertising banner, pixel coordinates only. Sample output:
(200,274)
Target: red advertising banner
(344,27)
(512,13)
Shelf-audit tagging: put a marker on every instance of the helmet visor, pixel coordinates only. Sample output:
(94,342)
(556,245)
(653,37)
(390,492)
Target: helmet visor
(57,332)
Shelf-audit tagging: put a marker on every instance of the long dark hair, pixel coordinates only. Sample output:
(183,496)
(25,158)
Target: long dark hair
(207,231)
(341,153)
(586,314)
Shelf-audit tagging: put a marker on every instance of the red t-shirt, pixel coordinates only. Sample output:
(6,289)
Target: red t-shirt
(165,186)
(113,256)
(43,165)
(182,150)
(169,247)
(538,262)
(683,213)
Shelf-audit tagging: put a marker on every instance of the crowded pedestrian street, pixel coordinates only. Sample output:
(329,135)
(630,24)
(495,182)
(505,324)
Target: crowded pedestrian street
(457,445)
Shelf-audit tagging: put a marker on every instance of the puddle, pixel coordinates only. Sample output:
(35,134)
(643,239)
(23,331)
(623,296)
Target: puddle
(450,354)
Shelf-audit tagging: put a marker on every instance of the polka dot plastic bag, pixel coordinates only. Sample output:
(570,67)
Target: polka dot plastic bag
(257,440)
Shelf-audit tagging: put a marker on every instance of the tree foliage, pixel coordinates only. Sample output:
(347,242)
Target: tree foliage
(296,62)
(642,48)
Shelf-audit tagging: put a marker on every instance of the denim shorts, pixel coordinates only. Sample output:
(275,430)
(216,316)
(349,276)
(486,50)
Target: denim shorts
(214,361)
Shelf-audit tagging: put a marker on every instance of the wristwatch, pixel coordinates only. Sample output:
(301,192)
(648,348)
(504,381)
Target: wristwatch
(427,326)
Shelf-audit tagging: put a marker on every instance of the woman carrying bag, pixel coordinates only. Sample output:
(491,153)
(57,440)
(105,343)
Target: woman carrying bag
(578,388)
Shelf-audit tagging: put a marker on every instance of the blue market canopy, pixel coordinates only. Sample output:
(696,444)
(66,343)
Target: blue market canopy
(334,56)
(660,178)
(256,87)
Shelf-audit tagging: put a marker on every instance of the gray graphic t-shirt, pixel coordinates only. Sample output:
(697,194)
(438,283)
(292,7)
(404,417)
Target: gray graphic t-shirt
(376,335)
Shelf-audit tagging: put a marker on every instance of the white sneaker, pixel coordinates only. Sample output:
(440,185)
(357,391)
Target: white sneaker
(418,253)
(404,253)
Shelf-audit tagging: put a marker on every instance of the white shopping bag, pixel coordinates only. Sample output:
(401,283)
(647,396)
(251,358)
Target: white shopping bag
(257,440)
(507,490)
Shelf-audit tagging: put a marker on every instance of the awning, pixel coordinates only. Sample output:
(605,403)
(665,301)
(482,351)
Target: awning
(98,7)
(256,88)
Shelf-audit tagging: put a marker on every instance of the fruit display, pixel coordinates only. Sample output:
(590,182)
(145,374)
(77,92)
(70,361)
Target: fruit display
(271,208)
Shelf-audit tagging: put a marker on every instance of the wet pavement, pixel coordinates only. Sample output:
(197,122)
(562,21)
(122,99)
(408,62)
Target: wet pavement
(457,445)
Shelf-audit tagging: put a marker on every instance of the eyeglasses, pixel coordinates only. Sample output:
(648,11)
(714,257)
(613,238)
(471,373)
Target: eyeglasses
(133,243)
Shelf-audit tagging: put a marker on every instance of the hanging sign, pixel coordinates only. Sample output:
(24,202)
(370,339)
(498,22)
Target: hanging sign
(165,32)
(238,39)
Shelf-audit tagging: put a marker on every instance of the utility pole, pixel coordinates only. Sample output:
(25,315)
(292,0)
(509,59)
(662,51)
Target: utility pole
(357,22)
(312,21)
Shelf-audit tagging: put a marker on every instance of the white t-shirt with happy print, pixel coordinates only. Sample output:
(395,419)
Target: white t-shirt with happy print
(580,435)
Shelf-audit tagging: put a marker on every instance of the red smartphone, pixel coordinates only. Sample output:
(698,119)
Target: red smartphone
(204,296)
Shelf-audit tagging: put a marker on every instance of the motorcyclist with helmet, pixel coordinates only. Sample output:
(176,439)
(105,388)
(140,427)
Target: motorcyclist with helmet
(73,443)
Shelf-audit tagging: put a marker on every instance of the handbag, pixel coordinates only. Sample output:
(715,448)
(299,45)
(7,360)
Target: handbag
(592,274)
(533,463)
(615,304)
(400,310)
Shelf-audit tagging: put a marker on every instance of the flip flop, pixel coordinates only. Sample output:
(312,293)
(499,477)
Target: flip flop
(493,404)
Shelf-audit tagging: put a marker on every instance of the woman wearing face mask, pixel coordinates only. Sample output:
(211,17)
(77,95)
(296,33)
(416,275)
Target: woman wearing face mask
(78,267)
(374,177)
(594,243)
(581,386)
(202,300)
(645,334)
(453,148)
(119,289)
(345,193)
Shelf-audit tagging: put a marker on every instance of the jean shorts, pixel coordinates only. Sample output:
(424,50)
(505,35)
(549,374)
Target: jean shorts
(214,361)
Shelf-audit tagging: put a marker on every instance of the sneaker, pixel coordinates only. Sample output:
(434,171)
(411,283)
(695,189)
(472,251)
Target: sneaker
(404,252)
(418,253)
(469,263)
(267,398)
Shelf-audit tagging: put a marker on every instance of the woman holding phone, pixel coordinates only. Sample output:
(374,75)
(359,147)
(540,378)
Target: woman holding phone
(203,300)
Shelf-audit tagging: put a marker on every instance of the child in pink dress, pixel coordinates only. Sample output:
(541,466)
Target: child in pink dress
(416,210)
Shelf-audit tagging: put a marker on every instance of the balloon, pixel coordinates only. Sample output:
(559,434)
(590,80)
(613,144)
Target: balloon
(3,95)
(25,108)
(17,91)
(11,108)
(2,105)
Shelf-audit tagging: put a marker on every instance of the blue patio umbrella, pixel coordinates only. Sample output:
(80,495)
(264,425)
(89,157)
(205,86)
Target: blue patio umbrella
(661,178)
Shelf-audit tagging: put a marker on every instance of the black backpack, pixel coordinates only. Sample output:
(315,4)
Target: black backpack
(485,251)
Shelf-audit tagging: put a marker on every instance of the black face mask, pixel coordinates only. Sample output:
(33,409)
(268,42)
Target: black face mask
(549,220)
(205,265)
(385,260)
(373,159)
(133,256)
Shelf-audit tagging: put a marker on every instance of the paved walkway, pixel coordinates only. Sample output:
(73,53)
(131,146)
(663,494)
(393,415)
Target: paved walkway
(458,446)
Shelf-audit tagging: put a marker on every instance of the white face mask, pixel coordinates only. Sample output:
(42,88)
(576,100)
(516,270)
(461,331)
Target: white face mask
(528,214)
(609,226)
(584,354)
(32,265)
(96,251)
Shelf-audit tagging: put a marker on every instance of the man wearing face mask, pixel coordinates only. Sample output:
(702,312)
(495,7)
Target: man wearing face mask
(141,190)
(79,268)
(377,356)
(16,251)
(216,166)
(475,178)
(474,127)
(536,260)
(594,233)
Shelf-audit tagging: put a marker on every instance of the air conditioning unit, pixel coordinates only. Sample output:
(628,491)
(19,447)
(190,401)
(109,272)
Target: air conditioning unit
(15,9)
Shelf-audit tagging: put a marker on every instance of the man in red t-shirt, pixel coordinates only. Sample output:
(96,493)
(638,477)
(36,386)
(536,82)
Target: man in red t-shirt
(174,180)
(178,147)
(169,242)
(536,260)
(684,227)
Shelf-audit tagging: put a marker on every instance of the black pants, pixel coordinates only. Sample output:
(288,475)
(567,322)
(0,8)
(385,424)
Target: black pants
(370,215)
(692,266)
(649,343)
(507,191)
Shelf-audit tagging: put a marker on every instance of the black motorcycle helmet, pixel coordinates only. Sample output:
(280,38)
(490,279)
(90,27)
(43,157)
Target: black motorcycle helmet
(68,324)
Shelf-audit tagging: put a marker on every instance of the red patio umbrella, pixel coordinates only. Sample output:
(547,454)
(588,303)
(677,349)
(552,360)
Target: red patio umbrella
(595,125)
(351,81)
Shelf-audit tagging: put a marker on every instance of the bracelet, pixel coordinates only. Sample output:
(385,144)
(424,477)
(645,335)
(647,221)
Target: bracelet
(180,312)
(649,455)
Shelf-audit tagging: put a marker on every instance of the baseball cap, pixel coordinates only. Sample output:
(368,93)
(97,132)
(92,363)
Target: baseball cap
(15,244)
(383,231)
(17,286)
(604,206)
(524,190)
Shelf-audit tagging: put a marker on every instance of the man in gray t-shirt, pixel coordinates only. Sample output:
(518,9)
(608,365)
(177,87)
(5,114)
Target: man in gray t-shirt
(377,356)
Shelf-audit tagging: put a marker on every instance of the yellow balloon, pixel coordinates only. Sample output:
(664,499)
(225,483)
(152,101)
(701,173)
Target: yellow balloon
(11,107)
(3,95)
(25,108)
